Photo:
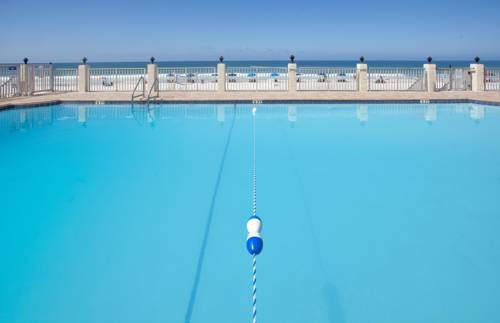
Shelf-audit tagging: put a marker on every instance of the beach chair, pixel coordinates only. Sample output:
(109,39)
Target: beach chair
(232,77)
(106,82)
(342,78)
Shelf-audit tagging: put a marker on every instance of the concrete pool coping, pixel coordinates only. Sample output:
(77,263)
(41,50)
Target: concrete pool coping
(488,97)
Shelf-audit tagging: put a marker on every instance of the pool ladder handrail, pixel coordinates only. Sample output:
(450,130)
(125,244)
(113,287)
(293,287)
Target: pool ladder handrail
(155,83)
(141,79)
(4,87)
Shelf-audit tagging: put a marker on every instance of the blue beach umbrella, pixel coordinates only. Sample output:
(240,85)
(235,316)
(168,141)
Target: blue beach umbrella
(274,74)
(252,74)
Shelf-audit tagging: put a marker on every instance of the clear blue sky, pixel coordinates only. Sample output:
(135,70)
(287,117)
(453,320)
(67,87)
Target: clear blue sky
(112,30)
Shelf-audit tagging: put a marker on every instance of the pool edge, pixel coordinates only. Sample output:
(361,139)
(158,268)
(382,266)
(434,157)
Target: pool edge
(15,105)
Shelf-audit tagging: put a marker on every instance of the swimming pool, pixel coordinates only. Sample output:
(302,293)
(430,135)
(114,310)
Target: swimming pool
(372,213)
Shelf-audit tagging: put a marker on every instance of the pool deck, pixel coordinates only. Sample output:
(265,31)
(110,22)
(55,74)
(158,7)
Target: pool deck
(492,97)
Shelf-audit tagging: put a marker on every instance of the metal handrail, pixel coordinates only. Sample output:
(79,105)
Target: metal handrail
(4,92)
(151,89)
(4,83)
(395,79)
(135,89)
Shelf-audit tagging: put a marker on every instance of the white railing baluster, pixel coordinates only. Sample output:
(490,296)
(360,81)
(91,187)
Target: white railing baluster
(187,78)
(326,79)
(9,80)
(65,79)
(395,79)
(256,78)
(115,79)
(492,79)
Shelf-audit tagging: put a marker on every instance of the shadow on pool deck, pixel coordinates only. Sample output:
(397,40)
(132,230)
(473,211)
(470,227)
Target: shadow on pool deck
(199,266)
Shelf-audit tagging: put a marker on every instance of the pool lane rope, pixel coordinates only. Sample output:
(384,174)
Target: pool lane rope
(254,225)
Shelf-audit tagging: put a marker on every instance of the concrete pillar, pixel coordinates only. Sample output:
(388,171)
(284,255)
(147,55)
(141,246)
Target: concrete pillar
(30,78)
(430,76)
(477,73)
(292,77)
(221,77)
(23,79)
(83,78)
(362,76)
(152,85)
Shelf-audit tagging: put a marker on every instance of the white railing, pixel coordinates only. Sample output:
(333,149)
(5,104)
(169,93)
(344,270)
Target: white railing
(9,88)
(492,79)
(65,79)
(326,78)
(9,81)
(187,79)
(28,79)
(41,76)
(395,79)
(115,79)
(443,79)
(453,79)
(257,78)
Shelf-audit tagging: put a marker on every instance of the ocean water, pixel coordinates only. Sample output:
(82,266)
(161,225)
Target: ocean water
(304,63)
(372,213)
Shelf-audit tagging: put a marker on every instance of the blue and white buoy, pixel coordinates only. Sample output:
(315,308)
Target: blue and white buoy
(254,225)
(254,240)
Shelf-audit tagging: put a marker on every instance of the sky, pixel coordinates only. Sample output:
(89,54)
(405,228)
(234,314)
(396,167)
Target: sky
(112,30)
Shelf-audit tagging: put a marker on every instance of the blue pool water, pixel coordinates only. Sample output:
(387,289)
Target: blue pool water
(372,213)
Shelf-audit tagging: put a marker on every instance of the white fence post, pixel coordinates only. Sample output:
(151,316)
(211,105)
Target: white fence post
(362,74)
(221,75)
(151,77)
(477,71)
(84,76)
(430,76)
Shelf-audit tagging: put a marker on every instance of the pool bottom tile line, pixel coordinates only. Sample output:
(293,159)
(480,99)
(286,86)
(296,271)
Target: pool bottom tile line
(201,257)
